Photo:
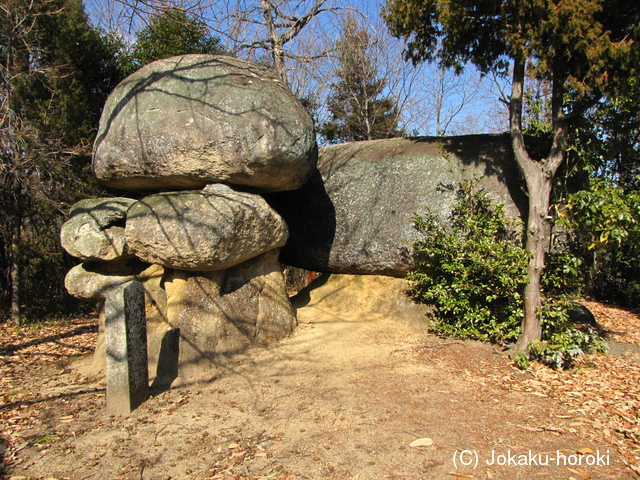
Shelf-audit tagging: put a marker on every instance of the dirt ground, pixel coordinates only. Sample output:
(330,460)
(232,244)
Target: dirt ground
(345,397)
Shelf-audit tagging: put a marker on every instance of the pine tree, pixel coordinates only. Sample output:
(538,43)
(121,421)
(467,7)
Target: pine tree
(359,109)
(171,33)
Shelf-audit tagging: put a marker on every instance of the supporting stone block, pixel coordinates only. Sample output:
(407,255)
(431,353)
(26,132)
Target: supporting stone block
(126,345)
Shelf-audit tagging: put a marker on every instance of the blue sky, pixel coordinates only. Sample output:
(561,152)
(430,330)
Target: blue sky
(463,104)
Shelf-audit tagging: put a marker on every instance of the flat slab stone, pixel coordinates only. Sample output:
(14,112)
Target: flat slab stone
(355,215)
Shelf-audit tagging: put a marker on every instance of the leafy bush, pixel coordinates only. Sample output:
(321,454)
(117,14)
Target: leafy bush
(606,222)
(616,278)
(473,272)
(562,275)
(562,341)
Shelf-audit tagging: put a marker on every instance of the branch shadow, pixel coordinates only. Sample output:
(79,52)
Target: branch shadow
(194,72)
(491,154)
(11,350)
(7,406)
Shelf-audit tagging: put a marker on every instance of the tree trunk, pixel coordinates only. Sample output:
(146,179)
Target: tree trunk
(537,235)
(15,277)
(278,63)
(277,46)
(538,176)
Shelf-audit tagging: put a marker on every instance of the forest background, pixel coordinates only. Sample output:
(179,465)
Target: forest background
(61,58)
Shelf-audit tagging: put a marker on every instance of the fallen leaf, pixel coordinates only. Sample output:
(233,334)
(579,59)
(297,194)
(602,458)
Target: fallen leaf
(538,394)
(585,451)
(582,473)
(553,429)
(531,429)
(421,442)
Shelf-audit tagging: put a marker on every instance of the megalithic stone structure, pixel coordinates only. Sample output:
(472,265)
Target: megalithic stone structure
(126,345)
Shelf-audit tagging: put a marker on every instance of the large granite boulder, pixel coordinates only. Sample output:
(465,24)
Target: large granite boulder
(188,121)
(94,281)
(211,229)
(193,318)
(224,312)
(95,229)
(355,214)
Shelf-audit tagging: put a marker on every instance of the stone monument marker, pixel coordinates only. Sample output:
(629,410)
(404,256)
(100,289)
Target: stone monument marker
(126,344)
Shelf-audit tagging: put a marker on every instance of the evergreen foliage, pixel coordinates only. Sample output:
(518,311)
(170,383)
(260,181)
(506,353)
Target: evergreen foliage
(77,67)
(359,109)
(473,273)
(582,49)
(562,341)
(605,222)
(608,137)
(172,33)
(603,219)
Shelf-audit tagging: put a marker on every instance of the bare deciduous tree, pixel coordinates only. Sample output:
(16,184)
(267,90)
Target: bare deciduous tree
(456,104)
(18,47)
(247,28)
(48,112)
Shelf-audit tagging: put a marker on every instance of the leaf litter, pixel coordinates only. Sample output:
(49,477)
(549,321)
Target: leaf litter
(602,391)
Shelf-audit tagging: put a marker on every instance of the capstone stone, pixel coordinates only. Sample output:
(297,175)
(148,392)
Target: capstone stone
(184,122)
(355,215)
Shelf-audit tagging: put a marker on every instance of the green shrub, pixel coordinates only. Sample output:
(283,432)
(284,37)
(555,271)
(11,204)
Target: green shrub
(562,275)
(563,341)
(473,272)
(605,221)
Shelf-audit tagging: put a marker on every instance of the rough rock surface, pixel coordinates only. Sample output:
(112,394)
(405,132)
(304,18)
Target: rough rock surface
(211,229)
(193,318)
(374,294)
(184,122)
(95,229)
(224,312)
(93,281)
(355,214)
